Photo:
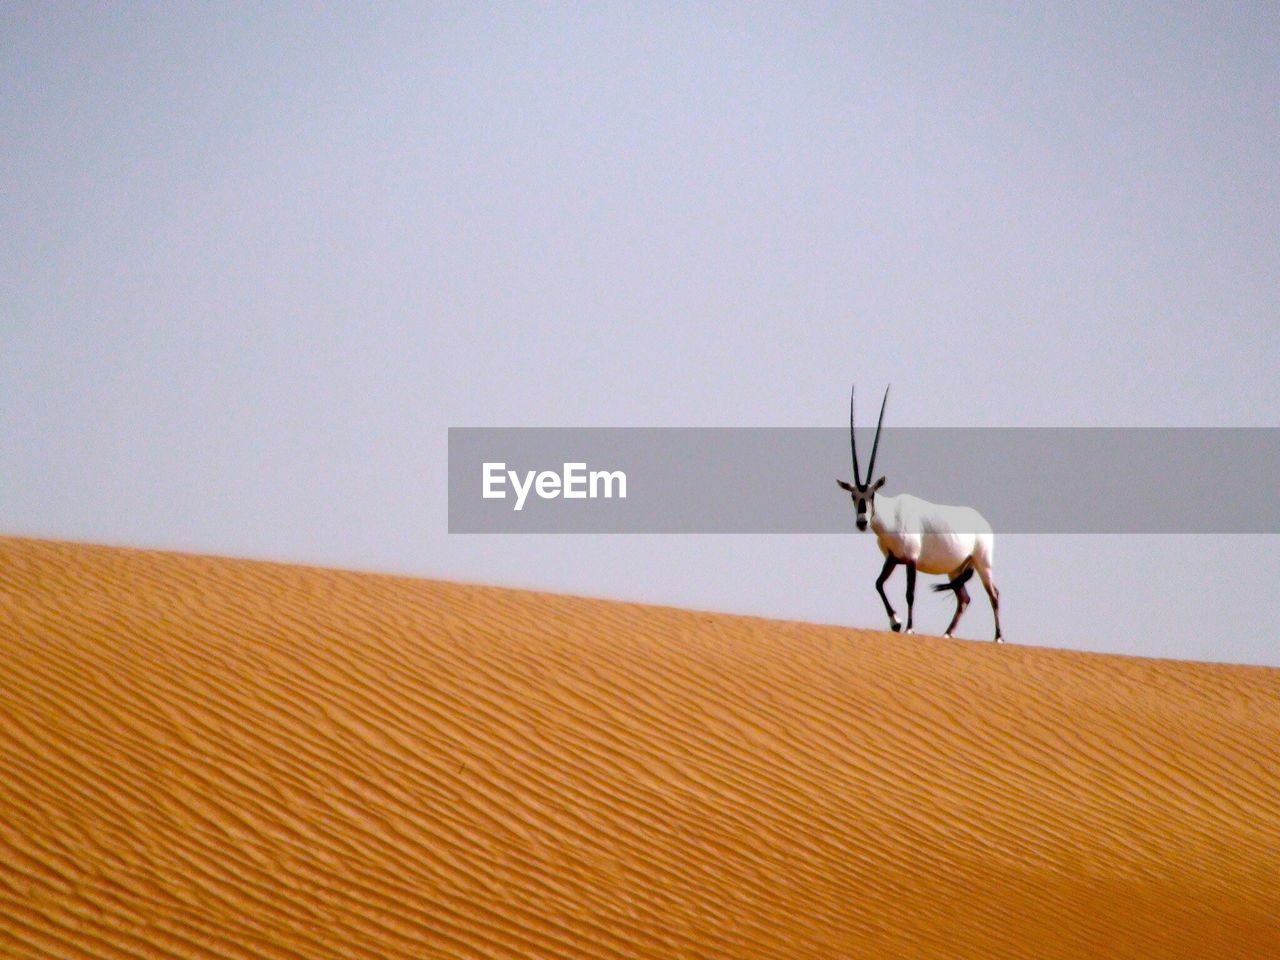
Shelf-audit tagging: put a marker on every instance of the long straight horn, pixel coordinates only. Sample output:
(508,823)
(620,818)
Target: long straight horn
(871,467)
(853,441)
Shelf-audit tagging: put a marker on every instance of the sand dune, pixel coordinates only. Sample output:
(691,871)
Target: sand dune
(221,759)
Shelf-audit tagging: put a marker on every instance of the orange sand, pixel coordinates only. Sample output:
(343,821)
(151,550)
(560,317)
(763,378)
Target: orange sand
(223,759)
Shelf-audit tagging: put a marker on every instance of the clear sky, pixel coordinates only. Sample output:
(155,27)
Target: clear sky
(256,259)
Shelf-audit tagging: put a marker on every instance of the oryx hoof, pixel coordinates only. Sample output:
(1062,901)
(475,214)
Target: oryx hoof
(895,627)
(909,630)
(998,640)
(947,636)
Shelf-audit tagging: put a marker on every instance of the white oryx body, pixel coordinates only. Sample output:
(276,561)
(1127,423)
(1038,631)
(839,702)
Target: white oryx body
(937,538)
(926,537)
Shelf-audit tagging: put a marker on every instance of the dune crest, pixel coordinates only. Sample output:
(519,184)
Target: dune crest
(207,758)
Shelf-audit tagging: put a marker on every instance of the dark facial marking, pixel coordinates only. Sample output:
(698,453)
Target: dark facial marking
(860,504)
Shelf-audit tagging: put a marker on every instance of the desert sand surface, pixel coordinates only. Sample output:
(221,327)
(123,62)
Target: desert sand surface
(214,758)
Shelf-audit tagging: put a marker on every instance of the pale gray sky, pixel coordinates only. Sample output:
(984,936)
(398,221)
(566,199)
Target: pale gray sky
(254,261)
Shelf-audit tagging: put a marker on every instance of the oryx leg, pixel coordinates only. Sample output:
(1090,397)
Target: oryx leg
(911,590)
(962,601)
(994,596)
(890,561)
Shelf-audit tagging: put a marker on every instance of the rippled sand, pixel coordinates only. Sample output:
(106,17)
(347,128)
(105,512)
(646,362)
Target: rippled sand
(213,758)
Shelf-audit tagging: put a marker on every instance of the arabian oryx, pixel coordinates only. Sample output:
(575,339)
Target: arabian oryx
(923,536)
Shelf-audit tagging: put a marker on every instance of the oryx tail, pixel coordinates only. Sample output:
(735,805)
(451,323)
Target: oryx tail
(958,581)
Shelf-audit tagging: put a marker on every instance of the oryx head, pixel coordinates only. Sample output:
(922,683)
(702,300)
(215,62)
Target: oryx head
(863,493)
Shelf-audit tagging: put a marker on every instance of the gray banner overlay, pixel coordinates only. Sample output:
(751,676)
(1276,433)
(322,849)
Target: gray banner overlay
(783,480)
